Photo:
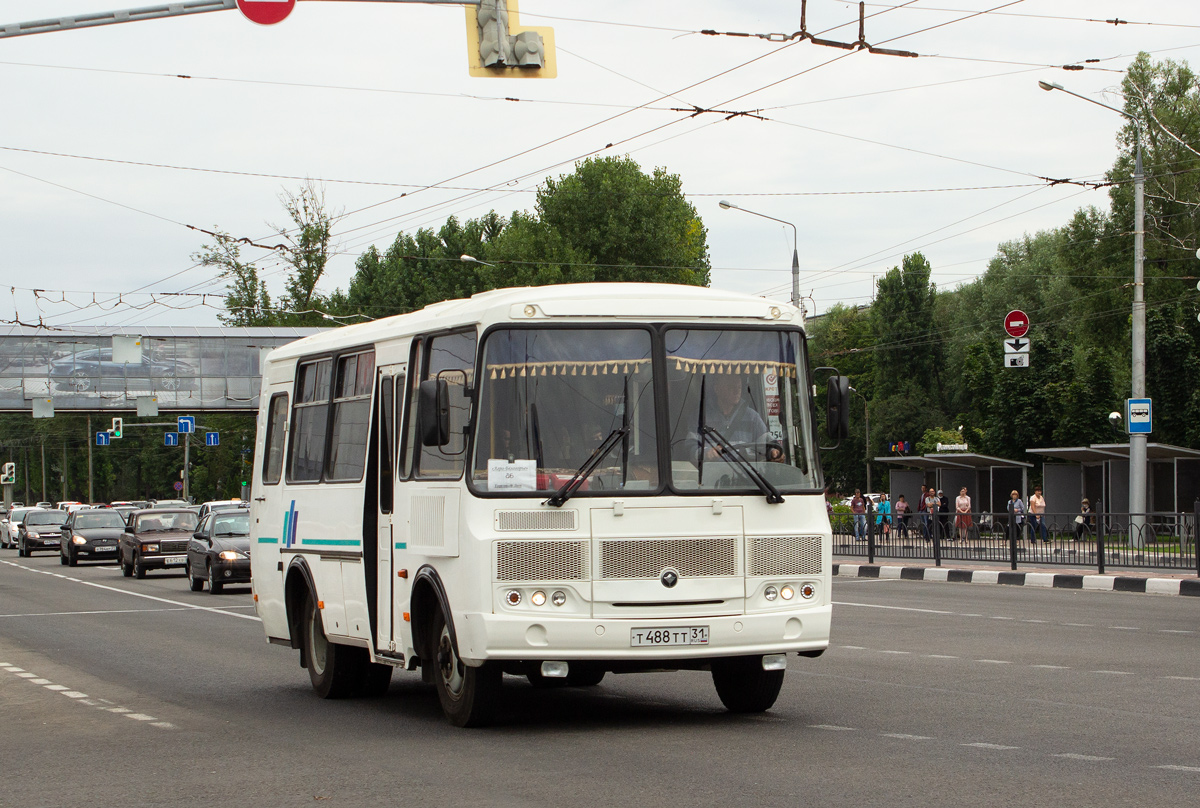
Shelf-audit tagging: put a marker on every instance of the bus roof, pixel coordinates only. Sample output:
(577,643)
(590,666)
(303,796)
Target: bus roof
(638,302)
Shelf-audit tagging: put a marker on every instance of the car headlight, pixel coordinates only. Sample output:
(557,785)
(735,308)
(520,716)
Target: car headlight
(228,555)
(149,548)
(78,540)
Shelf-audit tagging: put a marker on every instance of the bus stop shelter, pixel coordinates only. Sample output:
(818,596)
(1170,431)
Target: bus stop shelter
(1100,473)
(988,480)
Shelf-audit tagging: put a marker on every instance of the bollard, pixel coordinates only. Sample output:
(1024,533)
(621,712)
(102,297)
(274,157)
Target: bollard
(1099,537)
(1014,531)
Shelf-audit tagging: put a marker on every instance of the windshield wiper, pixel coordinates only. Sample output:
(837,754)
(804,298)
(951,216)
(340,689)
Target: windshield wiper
(731,454)
(599,453)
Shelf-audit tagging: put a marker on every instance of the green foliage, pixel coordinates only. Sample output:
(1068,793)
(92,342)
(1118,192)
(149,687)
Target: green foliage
(934,435)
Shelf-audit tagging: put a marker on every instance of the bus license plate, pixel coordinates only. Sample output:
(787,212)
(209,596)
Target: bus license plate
(675,635)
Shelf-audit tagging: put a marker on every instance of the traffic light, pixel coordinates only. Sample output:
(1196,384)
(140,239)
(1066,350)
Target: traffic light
(9,477)
(116,428)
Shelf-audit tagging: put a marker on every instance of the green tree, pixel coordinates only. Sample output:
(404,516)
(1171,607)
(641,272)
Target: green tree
(247,303)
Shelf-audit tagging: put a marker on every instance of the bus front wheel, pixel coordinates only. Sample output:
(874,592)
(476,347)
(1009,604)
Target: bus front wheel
(331,667)
(743,686)
(467,695)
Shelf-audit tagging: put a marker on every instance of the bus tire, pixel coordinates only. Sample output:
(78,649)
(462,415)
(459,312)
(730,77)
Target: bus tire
(743,686)
(467,695)
(332,668)
(584,676)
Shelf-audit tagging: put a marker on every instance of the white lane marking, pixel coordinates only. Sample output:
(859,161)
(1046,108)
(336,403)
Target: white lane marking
(892,608)
(1088,758)
(139,716)
(852,647)
(1174,631)
(994,661)
(118,710)
(831,727)
(74,694)
(1124,628)
(939,656)
(27,675)
(1035,621)
(970,614)
(895,652)
(1079,625)
(1052,667)
(39,681)
(56,688)
(1184,678)
(106,611)
(135,594)
(900,736)
(1180,768)
(82,698)
(997,617)
(1116,673)
(989,746)
(162,724)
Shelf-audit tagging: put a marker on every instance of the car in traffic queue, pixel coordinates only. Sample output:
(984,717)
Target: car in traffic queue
(91,535)
(221,505)
(219,551)
(11,526)
(40,530)
(155,539)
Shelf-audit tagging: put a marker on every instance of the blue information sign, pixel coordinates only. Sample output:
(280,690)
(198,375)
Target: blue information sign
(103,439)
(212,438)
(171,439)
(1138,416)
(187,423)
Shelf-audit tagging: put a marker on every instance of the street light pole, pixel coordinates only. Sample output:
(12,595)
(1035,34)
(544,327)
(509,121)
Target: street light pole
(726,205)
(1137,441)
(867,425)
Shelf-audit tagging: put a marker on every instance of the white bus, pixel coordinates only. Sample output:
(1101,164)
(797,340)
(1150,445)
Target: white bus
(556,482)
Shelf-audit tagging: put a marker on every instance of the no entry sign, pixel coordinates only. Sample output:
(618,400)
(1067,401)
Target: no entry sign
(266,12)
(1016,323)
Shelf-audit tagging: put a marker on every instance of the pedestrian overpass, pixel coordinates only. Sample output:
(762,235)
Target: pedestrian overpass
(103,369)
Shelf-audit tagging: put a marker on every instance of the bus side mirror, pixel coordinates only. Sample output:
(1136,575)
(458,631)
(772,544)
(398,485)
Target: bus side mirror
(837,407)
(434,412)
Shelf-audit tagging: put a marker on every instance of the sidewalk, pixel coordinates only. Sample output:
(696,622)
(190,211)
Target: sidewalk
(1153,582)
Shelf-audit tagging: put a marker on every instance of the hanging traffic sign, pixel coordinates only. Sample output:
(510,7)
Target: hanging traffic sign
(1016,345)
(212,438)
(1016,323)
(266,12)
(102,439)
(171,439)
(187,423)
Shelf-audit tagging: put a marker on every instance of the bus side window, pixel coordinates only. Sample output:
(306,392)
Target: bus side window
(347,459)
(451,352)
(276,421)
(409,438)
(310,421)
(387,431)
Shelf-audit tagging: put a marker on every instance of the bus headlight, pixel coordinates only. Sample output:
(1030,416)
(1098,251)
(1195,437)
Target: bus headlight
(787,593)
(770,593)
(558,598)
(538,598)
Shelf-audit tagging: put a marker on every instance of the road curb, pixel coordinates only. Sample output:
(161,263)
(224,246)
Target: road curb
(1041,580)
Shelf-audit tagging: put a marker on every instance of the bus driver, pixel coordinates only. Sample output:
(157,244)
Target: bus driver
(733,415)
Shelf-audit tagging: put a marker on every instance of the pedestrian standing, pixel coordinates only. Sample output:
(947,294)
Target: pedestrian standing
(1084,521)
(929,518)
(901,509)
(943,514)
(1016,513)
(1037,515)
(858,507)
(962,518)
(884,520)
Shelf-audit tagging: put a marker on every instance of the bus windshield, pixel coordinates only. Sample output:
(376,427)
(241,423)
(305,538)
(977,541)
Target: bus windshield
(738,405)
(551,397)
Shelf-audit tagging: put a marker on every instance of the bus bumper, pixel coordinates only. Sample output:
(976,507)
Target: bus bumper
(483,637)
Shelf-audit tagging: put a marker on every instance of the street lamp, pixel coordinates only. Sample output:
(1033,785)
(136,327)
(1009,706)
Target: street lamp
(1137,441)
(470,259)
(867,424)
(725,204)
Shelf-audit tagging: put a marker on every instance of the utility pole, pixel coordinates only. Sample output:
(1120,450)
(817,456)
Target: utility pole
(1137,440)
(43,469)
(91,495)
(64,472)
(187,446)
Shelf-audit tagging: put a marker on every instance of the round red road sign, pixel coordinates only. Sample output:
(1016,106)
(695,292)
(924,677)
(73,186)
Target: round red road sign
(266,12)
(1016,323)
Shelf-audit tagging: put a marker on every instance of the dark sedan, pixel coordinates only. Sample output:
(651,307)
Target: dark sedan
(91,535)
(219,551)
(155,539)
(41,530)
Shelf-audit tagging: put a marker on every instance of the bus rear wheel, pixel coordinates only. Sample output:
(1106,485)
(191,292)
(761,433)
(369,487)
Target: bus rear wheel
(332,668)
(743,686)
(467,695)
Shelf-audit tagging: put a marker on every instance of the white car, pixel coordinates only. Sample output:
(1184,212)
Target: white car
(221,505)
(12,526)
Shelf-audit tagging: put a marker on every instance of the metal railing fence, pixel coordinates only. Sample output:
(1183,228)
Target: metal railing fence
(1159,540)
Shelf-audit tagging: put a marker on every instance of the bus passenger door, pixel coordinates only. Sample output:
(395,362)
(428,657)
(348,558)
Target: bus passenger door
(389,587)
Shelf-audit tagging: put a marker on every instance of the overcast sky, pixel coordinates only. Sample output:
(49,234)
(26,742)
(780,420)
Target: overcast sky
(871,156)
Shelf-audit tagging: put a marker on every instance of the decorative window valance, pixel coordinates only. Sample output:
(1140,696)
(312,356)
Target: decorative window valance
(733,366)
(603,367)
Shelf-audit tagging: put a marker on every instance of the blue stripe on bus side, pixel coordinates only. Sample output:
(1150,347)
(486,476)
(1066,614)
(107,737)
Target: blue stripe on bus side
(401,545)
(263,540)
(338,542)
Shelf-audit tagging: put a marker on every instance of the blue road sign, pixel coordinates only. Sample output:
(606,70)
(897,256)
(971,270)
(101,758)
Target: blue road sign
(187,423)
(1138,416)
(102,439)
(171,439)
(212,438)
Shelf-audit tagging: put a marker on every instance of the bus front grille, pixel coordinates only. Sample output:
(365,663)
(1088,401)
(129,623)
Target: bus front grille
(647,558)
(783,555)
(542,560)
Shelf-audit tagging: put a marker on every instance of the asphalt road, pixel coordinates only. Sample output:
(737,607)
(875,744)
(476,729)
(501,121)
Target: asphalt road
(115,691)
